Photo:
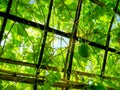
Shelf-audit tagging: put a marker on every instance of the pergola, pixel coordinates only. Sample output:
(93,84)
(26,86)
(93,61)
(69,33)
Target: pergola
(67,71)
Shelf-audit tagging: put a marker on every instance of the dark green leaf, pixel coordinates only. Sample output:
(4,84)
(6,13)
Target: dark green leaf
(12,87)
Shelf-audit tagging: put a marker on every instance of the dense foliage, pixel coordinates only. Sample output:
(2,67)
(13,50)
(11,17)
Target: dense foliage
(22,42)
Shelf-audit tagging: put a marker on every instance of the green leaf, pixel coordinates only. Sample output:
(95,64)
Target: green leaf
(12,87)
(53,77)
(112,84)
(99,86)
(19,29)
(72,6)
(108,10)
(67,2)
(47,86)
(1,86)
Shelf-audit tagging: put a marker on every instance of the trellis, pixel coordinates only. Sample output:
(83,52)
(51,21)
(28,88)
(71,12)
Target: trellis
(67,70)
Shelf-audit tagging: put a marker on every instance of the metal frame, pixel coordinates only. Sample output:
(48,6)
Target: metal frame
(35,79)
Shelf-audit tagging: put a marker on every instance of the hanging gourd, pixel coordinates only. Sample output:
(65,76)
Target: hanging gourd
(83,50)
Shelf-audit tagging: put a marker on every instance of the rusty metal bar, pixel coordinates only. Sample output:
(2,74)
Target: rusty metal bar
(72,40)
(108,40)
(58,32)
(5,19)
(45,36)
(29,80)
(43,43)
(9,61)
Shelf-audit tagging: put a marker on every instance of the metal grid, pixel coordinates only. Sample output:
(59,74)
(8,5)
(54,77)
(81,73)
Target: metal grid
(67,70)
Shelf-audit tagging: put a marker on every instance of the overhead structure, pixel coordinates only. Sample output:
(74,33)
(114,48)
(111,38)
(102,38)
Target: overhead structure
(69,76)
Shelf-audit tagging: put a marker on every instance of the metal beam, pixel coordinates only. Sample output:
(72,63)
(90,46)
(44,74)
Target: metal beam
(52,30)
